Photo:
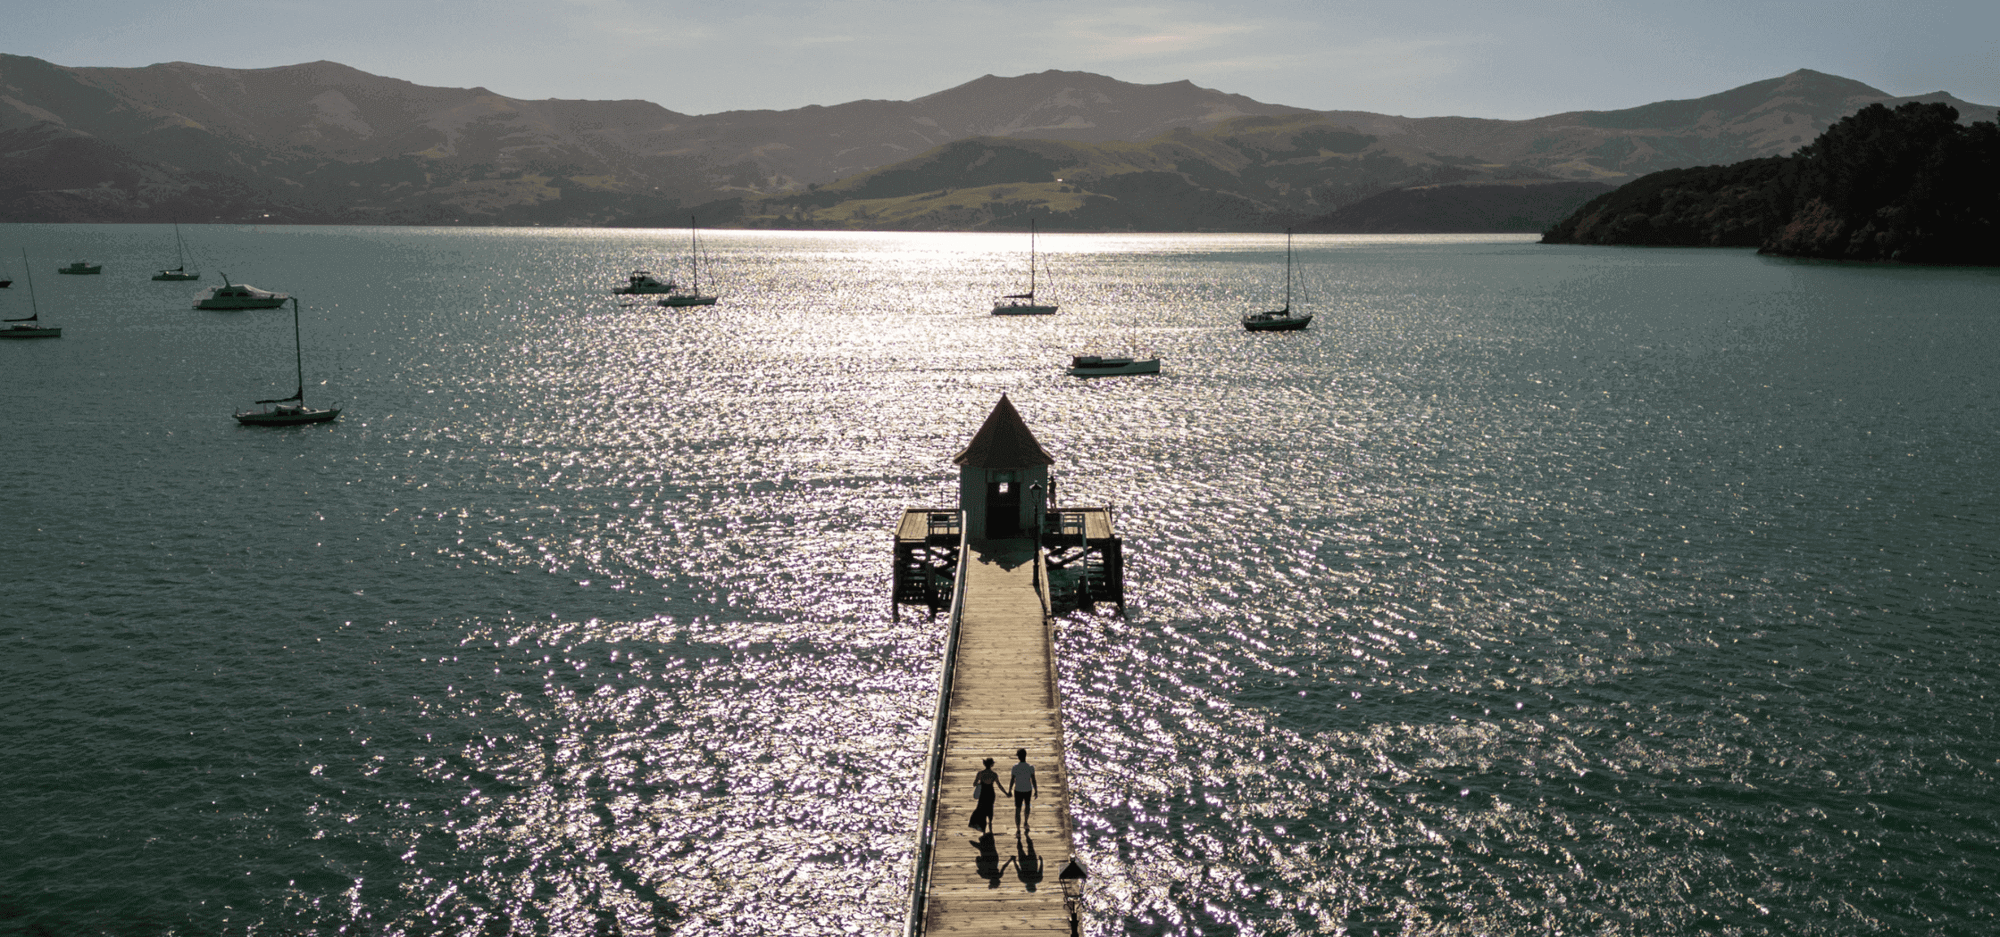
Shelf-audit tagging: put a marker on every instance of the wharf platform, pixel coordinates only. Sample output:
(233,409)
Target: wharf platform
(1003,697)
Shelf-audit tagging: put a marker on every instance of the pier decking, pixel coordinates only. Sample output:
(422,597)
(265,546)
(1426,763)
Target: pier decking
(1003,697)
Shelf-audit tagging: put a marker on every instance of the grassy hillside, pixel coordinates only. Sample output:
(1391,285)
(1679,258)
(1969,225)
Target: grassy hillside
(1249,172)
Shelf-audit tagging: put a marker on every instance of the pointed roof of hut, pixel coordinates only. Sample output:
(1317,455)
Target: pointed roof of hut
(1003,442)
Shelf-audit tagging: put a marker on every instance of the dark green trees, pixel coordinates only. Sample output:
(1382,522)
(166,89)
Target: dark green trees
(1908,184)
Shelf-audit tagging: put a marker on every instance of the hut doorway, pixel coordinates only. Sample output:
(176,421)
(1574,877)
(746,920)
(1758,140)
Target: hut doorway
(1003,510)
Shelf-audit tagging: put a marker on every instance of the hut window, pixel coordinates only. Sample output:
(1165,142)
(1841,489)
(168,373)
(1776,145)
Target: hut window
(1004,486)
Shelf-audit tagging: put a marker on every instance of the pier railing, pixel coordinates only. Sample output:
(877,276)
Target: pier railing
(934,770)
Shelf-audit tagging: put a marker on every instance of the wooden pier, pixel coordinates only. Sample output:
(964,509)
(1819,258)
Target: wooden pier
(1015,560)
(1003,697)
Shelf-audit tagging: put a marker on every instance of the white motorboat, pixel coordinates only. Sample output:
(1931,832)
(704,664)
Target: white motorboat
(1023,304)
(289,411)
(642,283)
(1102,366)
(29,326)
(1283,319)
(239,296)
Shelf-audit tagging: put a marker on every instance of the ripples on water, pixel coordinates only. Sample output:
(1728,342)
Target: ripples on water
(1532,590)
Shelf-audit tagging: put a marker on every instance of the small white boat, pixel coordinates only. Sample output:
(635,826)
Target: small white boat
(1023,304)
(289,411)
(29,326)
(642,283)
(1101,366)
(677,300)
(81,266)
(285,415)
(692,296)
(1280,320)
(239,296)
(179,273)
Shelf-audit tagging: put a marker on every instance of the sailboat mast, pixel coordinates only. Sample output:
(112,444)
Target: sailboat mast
(180,250)
(1288,268)
(1031,260)
(298,353)
(34,308)
(694,256)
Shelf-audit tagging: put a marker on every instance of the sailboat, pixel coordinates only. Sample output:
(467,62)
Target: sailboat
(1280,320)
(290,411)
(690,296)
(180,254)
(1023,304)
(29,326)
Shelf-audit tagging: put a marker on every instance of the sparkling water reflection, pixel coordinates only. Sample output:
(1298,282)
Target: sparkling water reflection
(1531,590)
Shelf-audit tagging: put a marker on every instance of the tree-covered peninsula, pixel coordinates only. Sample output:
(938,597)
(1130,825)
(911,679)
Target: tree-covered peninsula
(1910,184)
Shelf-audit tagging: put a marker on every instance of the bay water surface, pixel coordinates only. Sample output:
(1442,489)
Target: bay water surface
(1532,590)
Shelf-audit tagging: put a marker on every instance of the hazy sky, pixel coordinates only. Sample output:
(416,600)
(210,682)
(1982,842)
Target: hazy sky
(1481,58)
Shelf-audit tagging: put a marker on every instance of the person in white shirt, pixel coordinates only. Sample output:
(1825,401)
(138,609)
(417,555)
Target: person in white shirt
(1023,788)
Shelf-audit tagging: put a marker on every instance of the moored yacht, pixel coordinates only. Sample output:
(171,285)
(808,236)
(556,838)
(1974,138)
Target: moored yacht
(642,283)
(1282,319)
(1103,366)
(289,411)
(692,295)
(30,326)
(178,273)
(239,296)
(1024,304)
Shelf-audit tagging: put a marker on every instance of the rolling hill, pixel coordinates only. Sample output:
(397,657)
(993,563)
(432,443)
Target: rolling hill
(325,143)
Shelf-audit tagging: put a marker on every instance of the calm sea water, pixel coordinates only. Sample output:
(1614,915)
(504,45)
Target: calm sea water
(1533,590)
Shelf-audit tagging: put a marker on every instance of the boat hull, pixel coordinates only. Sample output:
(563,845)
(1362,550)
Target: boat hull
(1114,367)
(1023,309)
(31,333)
(230,302)
(286,416)
(1285,324)
(676,302)
(81,269)
(176,277)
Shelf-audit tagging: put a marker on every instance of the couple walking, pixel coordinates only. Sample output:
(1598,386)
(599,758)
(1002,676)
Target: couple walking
(1023,787)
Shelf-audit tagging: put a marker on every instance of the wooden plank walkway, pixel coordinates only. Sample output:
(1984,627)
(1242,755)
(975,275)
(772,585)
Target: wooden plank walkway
(1003,697)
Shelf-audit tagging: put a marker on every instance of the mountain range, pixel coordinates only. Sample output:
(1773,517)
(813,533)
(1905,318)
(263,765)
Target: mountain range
(325,143)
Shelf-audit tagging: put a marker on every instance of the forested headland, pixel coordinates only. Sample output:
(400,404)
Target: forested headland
(1910,184)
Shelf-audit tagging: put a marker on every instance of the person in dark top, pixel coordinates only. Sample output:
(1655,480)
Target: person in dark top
(984,784)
